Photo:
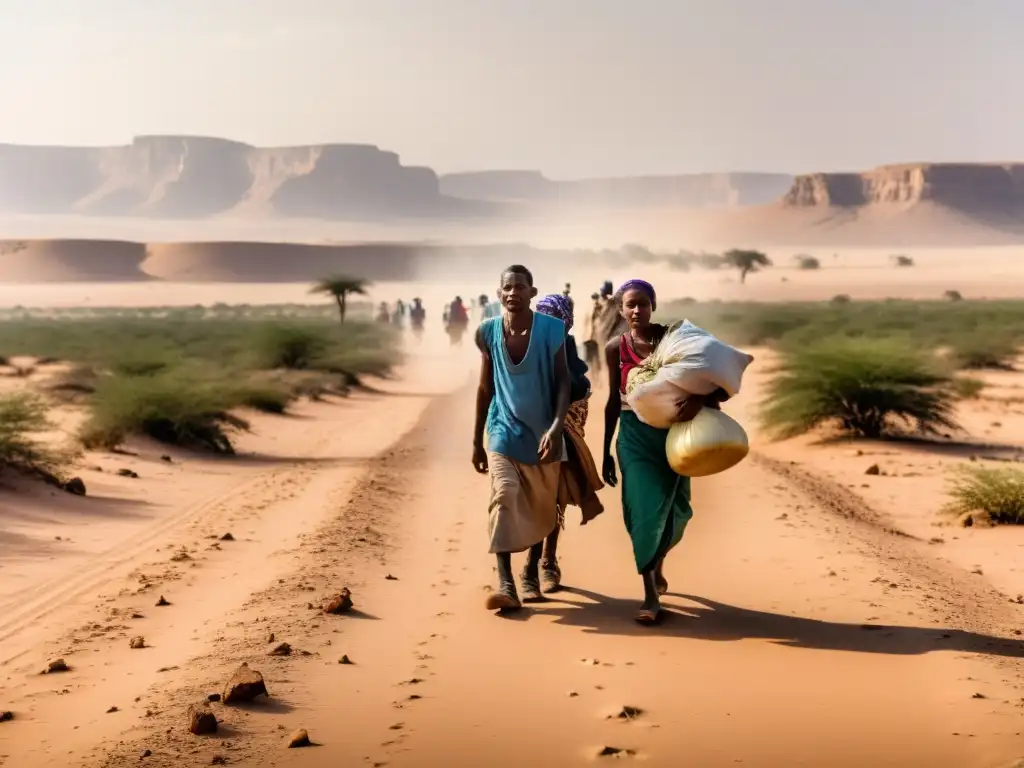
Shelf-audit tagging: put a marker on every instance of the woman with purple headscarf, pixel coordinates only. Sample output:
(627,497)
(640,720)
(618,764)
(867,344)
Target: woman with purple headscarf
(580,481)
(655,500)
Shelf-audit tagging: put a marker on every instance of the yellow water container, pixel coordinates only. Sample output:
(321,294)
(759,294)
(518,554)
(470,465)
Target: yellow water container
(710,443)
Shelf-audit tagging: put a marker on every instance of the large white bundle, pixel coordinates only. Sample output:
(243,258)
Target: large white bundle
(689,360)
(711,442)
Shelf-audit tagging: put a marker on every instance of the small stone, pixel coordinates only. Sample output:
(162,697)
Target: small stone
(389,577)
(6,716)
(137,615)
(75,486)
(201,720)
(340,603)
(213,697)
(299,738)
(137,642)
(628,713)
(112,710)
(218,760)
(615,752)
(166,458)
(345,660)
(162,602)
(245,685)
(874,469)
(57,665)
(127,473)
(227,537)
(572,694)
(284,649)
(145,753)
(979,696)
(271,637)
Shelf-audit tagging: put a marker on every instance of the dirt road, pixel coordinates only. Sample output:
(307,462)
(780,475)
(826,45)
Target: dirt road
(801,632)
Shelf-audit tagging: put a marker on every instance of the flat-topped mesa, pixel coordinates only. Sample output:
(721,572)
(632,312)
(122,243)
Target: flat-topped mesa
(964,186)
(178,176)
(696,190)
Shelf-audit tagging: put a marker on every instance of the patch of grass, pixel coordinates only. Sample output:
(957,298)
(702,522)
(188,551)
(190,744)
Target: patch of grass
(953,295)
(967,388)
(267,397)
(994,494)
(865,388)
(804,261)
(180,407)
(985,349)
(292,347)
(22,418)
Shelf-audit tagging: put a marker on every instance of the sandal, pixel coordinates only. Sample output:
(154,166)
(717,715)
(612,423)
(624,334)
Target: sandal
(647,616)
(505,599)
(551,576)
(531,589)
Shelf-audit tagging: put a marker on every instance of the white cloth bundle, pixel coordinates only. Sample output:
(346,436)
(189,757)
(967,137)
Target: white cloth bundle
(689,360)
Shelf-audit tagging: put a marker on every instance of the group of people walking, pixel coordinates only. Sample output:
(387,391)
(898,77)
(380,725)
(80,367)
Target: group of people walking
(531,412)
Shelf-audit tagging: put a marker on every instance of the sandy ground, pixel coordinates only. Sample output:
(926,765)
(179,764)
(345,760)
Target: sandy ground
(812,623)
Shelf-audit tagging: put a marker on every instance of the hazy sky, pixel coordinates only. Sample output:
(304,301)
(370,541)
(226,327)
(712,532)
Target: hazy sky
(572,87)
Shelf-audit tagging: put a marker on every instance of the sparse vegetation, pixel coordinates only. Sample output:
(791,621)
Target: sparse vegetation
(746,261)
(953,295)
(865,388)
(900,260)
(967,388)
(983,494)
(985,349)
(804,261)
(22,418)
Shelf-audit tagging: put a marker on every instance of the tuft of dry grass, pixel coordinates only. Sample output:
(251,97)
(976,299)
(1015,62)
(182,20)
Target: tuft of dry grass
(983,495)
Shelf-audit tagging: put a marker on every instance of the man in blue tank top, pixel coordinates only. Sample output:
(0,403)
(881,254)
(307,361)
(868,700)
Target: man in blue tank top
(521,404)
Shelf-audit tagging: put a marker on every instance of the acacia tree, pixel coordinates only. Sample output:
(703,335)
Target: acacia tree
(746,261)
(340,286)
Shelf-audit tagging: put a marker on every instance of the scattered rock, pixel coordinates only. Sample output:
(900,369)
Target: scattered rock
(979,696)
(112,710)
(213,697)
(218,760)
(615,752)
(271,637)
(57,665)
(145,753)
(299,739)
(874,469)
(6,716)
(340,603)
(137,642)
(977,571)
(628,713)
(227,537)
(137,615)
(345,660)
(284,649)
(572,694)
(75,486)
(245,685)
(127,473)
(167,459)
(201,720)
(161,602)
(180,556)
(389,577)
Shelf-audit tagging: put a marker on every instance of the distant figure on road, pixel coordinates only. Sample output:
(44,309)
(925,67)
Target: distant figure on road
(398,316)
(383,313)
(611,324)
(488,308)
(457,321)
(591,338)
(417,317)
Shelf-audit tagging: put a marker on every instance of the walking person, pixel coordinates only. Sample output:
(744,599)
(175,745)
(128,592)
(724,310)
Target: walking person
(522,401)
(592,348)
(655,500)
(580,480)
(457,321)
(417,318)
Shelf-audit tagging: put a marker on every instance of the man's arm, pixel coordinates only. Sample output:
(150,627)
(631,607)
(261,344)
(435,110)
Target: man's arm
(484,390)
(550,447)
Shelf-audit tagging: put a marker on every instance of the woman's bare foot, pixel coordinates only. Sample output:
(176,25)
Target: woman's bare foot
(660,582)
(649,613)
(505,599)
(531,588)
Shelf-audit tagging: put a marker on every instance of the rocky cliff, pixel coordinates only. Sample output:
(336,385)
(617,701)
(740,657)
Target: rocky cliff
(197,177)
(976,189)
(683,191)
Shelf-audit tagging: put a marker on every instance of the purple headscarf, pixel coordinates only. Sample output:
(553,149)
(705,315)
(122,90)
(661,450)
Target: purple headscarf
(557,305)
(638,285)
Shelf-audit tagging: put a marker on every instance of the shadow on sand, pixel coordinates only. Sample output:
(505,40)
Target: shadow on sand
(707,619)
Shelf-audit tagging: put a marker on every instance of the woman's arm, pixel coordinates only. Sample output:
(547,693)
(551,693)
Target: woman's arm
(484,395)
(611,410)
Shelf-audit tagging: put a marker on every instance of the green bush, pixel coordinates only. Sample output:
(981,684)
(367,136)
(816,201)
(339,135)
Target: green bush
(985,349)
(22,416)
(293,347)
(966,388)
(996,495)
(180,407)
(866,388)
(267,397)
